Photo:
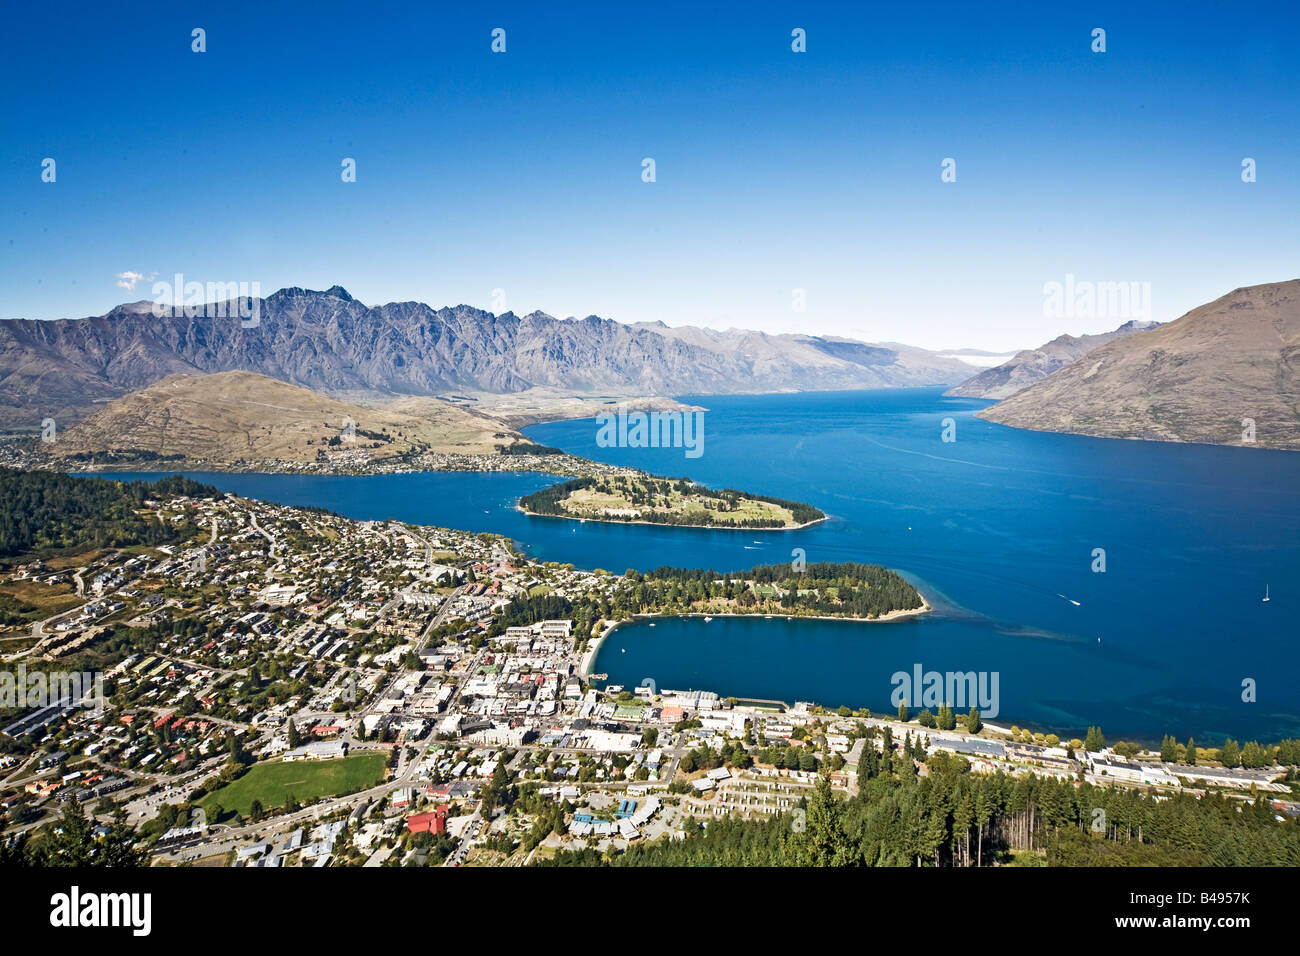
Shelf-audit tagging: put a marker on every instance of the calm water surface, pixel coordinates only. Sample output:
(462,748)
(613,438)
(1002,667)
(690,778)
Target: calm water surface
(998,529)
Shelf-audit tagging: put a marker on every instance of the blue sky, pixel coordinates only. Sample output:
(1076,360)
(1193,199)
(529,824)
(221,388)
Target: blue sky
(775,170)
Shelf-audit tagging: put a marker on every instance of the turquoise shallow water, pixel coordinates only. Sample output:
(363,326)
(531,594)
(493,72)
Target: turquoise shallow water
(997,528)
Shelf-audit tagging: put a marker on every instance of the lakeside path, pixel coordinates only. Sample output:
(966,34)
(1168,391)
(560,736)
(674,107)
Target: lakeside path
(589,658)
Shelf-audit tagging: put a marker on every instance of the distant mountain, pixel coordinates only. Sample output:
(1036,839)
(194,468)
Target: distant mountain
(1033,365)
(1194,379)
(228,418)
(329,342)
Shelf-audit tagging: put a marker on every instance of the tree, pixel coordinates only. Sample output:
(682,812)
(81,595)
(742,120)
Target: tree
(1191,752)
(1094,740)
(973,722)
(1229,754)
(295,738)
(71,843)
(118,845)
(1253,755)
(963,818)
(825,842)
(903,714)
(1169,749)
(983,814)
(945,719)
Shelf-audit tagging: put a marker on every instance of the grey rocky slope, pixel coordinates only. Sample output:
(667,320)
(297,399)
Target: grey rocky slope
(329,342)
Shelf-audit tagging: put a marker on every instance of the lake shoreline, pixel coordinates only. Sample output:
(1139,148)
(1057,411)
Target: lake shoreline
(590,655)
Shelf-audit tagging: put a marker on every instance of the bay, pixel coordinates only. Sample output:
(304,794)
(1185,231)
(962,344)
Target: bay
(999,529)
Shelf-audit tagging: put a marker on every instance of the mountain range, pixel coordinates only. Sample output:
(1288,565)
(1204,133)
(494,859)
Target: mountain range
(1211,376)
(331,343)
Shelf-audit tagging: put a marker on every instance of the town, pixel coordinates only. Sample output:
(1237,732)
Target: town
(288,687)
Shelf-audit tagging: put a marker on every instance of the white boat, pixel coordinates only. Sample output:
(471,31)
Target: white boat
(707,620)
(1265,593)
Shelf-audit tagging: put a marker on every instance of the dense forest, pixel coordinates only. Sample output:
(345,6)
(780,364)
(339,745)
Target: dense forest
(952,817)
(528,448)
(46,513)
(650,492)
(73,843)
(823,588)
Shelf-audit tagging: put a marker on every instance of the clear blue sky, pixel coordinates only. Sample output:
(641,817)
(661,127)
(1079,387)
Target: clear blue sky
(775,170)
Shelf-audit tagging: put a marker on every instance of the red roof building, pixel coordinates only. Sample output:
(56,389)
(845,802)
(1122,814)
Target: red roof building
(435,822)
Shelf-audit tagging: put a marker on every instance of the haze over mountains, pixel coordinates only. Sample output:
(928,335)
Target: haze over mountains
(1194,379)
(1027,367)
(329,342)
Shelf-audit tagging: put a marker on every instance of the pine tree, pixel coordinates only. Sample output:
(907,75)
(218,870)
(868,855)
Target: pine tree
(962,819)
(983,814)
(1230,754)
(1191,752)
(945,718)
(1169,749)
(973,722)
(1095,740)
(824,841)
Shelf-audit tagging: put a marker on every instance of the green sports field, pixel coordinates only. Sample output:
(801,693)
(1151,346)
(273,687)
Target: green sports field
(304,780)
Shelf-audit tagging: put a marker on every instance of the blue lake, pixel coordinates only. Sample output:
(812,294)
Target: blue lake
(998,529)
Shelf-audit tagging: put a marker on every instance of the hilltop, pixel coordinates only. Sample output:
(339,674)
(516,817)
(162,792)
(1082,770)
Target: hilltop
(1192,380)
(231,418)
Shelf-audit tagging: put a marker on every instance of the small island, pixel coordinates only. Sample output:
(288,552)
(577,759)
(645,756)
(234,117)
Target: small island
(649,499)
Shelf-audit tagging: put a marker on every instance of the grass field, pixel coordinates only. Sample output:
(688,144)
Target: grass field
(32,601)
(304,780)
